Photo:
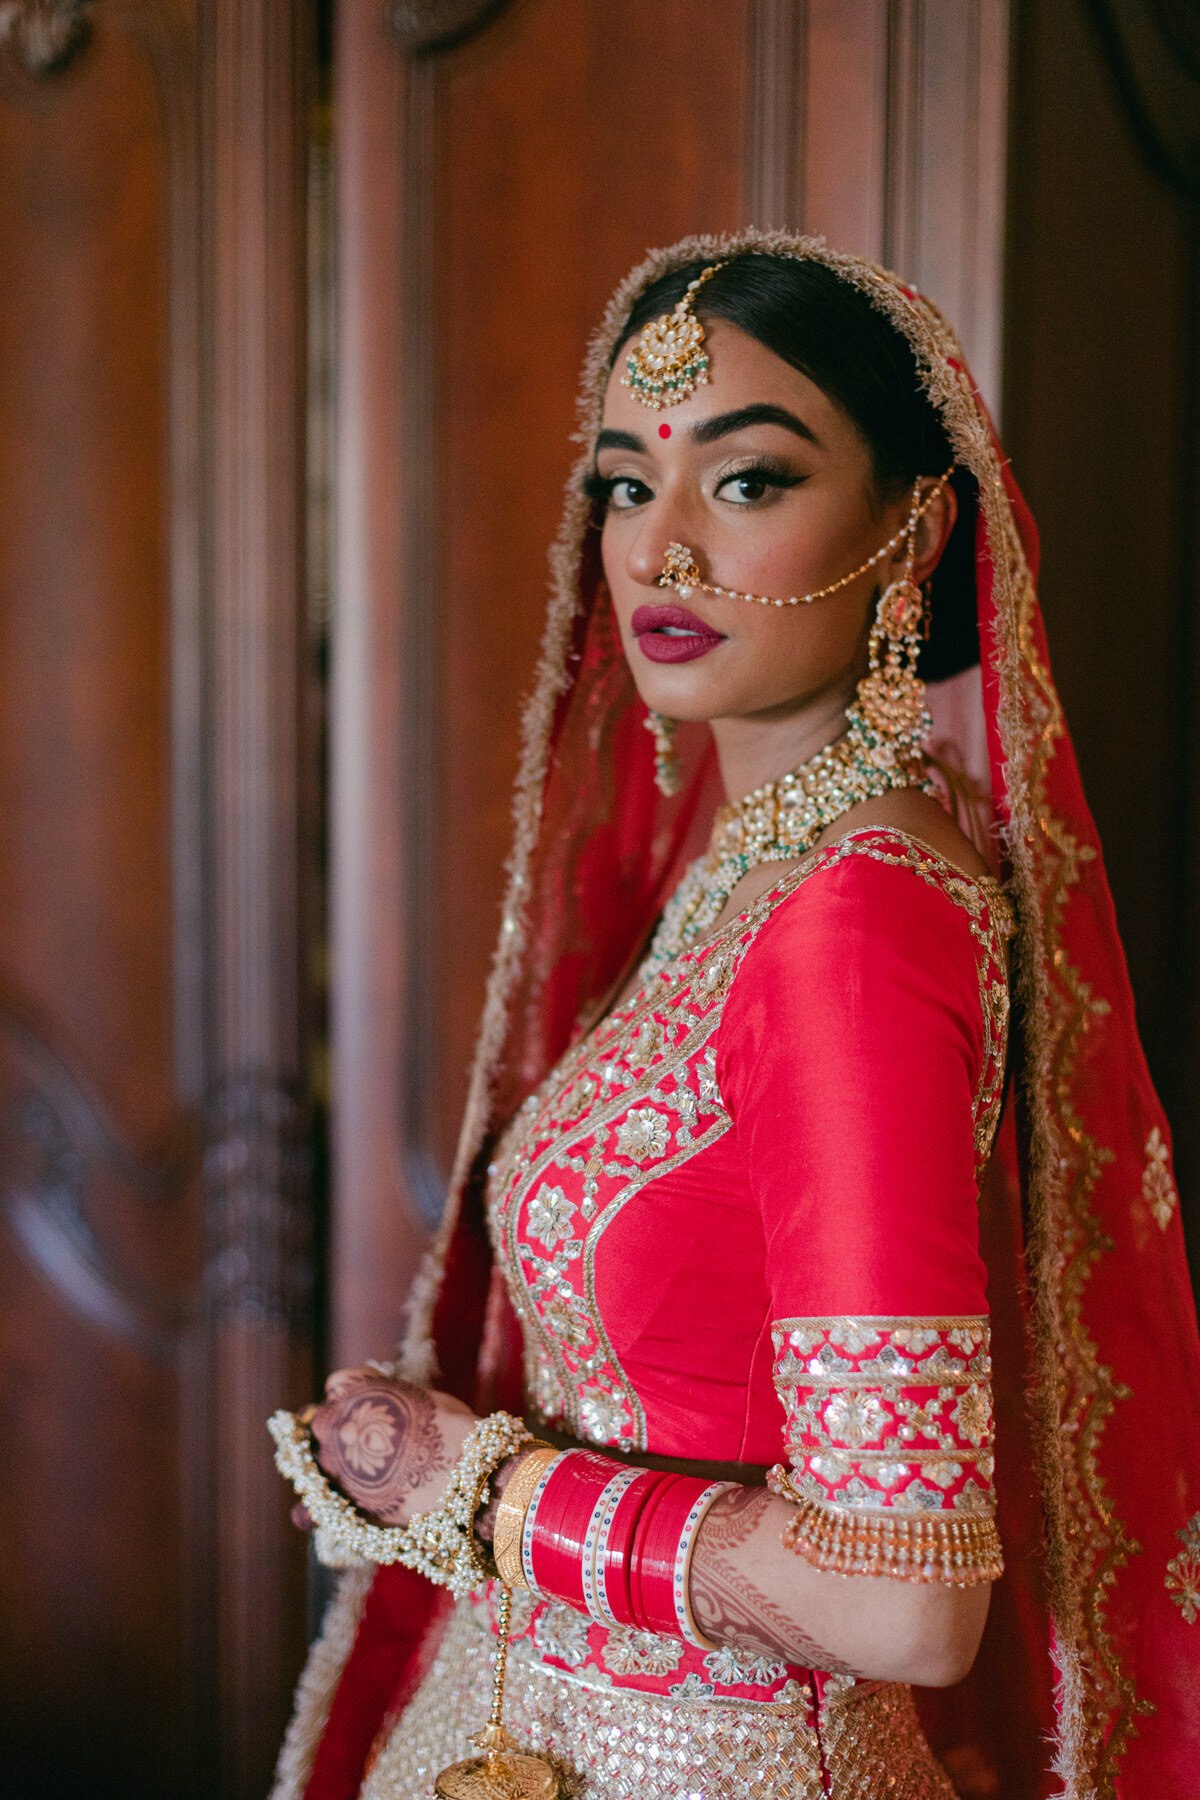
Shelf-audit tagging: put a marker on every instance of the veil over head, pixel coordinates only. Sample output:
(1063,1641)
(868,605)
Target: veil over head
(1094,1329)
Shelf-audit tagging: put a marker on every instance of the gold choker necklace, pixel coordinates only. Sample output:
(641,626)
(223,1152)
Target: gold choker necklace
(777,822)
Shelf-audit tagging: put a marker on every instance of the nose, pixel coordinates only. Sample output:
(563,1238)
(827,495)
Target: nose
(647,551)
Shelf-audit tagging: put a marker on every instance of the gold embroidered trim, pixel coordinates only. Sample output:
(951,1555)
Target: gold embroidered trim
(886,1417)
(961,1550)
(1158,1186)
(1183,1571)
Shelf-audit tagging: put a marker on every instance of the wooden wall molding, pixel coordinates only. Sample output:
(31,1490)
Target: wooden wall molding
(381,769)
(775,112)
(432,25)
(254,75)
(881,125)
(258,1268)
(40,37)
(57,1145)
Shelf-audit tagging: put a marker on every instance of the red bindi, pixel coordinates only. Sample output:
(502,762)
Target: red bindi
(664,431)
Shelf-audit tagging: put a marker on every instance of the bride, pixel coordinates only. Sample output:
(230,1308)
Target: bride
(797,1337)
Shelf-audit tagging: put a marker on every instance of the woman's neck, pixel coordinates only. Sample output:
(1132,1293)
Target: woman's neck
(753,751)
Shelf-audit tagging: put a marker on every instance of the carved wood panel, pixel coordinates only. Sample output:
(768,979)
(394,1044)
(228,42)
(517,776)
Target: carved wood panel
(157,832)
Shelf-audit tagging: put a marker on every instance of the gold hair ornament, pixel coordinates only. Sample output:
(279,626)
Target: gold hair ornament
(669,362)
(681,571)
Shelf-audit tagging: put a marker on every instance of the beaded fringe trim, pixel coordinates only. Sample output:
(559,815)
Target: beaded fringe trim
(960,1551)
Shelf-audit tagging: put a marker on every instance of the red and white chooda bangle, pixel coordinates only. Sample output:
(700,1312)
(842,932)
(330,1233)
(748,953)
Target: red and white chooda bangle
(616,1543)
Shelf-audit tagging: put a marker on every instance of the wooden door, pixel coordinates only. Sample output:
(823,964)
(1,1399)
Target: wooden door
(156,799)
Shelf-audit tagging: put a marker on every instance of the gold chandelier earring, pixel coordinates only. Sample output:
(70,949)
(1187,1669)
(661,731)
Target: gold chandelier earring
(666,763)
(889,716)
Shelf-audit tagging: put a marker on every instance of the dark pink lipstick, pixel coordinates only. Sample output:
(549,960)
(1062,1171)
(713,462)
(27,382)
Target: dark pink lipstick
(672,634)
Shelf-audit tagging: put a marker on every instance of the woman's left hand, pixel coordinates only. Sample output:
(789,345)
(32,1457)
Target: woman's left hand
(389,1444)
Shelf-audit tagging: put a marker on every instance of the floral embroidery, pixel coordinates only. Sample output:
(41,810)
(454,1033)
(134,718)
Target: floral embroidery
(691,1688)
(602,1416)
(1158,1187)
(629,1103)
(562,1632)
(855,1418)
(888,1415)
(973,1415)
(641,1653)
(729,1668)
(1183,1571)
(550,1216)
(643,1136)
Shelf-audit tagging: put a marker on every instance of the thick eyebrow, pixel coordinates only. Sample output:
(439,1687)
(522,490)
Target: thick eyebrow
(620,440)
(721,424)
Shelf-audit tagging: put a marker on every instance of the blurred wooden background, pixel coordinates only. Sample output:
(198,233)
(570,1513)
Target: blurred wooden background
(292,306)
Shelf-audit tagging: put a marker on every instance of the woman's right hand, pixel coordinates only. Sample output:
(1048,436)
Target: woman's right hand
(389,1444)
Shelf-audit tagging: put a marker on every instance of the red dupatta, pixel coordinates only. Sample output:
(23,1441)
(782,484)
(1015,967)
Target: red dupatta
(1095,1341)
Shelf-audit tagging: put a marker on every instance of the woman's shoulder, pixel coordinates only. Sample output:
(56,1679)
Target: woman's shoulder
(919,816)
(881,890)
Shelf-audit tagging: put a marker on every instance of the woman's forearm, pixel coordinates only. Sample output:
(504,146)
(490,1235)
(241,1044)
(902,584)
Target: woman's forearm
(749,1592)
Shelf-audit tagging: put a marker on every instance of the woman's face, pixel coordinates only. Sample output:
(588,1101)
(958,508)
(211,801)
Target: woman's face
(768,483)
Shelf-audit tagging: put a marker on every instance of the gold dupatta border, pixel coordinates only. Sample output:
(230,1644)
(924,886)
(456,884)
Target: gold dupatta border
(1074,1395)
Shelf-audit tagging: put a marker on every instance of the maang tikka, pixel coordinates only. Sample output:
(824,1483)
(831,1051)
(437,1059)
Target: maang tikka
(669,360)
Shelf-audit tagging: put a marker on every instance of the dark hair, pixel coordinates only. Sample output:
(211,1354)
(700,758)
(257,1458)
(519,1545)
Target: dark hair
(828,329)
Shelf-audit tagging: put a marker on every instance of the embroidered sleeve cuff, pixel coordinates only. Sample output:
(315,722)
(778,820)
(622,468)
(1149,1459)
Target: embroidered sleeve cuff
(889,1432)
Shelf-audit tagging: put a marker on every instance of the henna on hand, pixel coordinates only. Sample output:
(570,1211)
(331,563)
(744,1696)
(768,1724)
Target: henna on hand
(729,1607)
(380,1441)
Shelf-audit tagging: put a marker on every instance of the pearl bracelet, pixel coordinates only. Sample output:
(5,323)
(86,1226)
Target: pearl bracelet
(439,1544)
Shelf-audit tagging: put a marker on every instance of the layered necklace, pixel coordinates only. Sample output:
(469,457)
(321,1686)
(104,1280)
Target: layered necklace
(776,823)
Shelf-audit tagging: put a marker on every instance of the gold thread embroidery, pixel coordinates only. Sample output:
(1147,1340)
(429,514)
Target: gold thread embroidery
(645,1087)
(889,1427)
(1087,1544)
(1183,1571)
(1158,1187)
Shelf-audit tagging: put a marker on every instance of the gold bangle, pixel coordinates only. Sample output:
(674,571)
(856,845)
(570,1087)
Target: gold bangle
(511,1511)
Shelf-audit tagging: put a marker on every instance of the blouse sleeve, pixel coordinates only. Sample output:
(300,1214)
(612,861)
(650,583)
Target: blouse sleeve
(862,1039)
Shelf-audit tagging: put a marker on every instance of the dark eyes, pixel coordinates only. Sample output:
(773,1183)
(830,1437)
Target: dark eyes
(744,487)
(618,491)
(749,486)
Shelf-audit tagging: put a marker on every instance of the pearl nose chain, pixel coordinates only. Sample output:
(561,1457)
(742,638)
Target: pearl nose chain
(681,571)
